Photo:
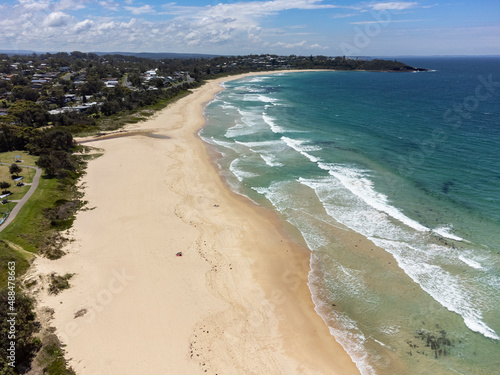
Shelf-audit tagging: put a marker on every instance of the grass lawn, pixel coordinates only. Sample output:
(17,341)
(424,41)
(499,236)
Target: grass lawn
(8,157)
(8,254)
(30,227)
(6,207)
(27,173)
(18,192)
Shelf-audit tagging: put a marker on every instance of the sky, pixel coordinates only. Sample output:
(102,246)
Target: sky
(283,27)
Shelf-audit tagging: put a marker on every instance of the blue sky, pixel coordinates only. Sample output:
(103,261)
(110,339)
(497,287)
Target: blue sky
(302,27)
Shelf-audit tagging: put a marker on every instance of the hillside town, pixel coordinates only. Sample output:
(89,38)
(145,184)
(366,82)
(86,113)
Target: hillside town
(89,86)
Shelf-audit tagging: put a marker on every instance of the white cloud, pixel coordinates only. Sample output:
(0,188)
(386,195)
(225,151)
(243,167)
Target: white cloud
(109,4)
(56,19)
(396,5)
(317,46)
(232,26)
(34,6)
(229,27)
(390,21)
(344,15)
(302,44)
(246,9)
(141,10)
(83,26)
(230,22)
(106,26)
(69,5)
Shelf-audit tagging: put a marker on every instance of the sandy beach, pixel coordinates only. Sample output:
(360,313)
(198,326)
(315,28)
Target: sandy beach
(235,302)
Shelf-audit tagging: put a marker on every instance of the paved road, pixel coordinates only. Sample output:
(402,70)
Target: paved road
(20,204)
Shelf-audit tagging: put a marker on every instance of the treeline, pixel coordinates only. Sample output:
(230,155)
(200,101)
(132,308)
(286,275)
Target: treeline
(24,326)
(343,63)
(121,98)
(104,66)
(53,146)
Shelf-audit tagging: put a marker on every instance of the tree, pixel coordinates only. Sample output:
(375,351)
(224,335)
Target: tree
(23,92)
(134,79)
(50,140)
(56,163)
(25,326)
(156,82)
(17,80)
(92,86)
(110,107)
(28,113)
(57,96)
(4,185)
(15,169)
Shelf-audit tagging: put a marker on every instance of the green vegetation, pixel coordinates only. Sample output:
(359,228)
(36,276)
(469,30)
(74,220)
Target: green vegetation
(25,327)
(36,230)
(133,116)
(51,357)
(58,283)
(10,157)
(32,230)
(10,254)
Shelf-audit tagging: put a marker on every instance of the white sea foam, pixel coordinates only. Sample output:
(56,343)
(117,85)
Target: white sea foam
(357,182)
(343,328)
(239,173)
(226,105)
(263,144)
(256,79)
(252,118)
(259,98)
(471,263)
(229,145)
(419,261)
(451,291)
(287,204)
(239,130)
(444,231)
(351,210)
(250,122)
(299,146)
(270,160)
(254,89)
(391,331)
(272,124)
(381,343)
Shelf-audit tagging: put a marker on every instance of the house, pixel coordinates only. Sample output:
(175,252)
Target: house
(111,82)
(78,108)
(150,74)
(38,83)
(69,98)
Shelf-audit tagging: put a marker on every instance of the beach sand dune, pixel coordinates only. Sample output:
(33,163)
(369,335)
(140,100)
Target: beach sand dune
(235,302)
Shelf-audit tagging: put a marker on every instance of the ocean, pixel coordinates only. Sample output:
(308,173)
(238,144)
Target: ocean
(408,161)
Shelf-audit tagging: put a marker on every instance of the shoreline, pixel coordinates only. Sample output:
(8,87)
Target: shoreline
(233,303)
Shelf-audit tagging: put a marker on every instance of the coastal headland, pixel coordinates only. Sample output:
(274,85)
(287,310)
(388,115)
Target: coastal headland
(235,302)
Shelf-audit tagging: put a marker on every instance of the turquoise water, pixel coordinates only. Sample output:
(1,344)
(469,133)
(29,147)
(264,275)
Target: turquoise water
(410,161)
